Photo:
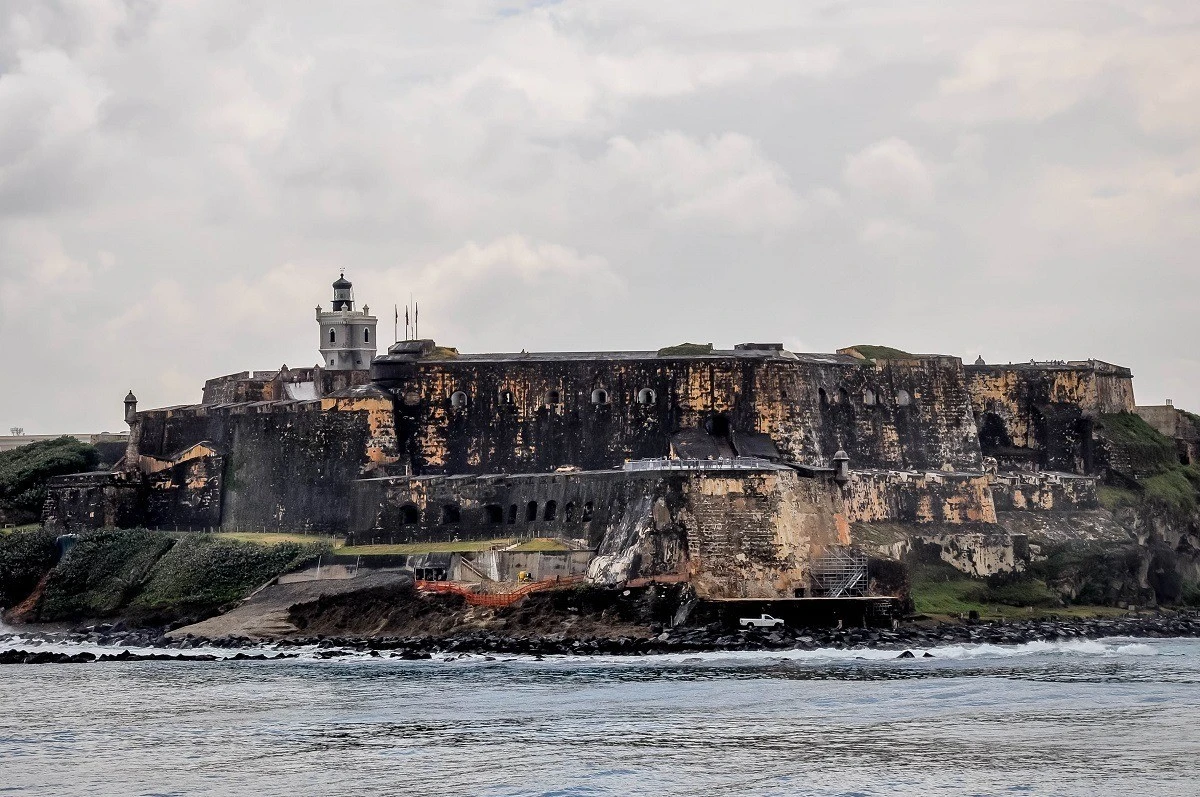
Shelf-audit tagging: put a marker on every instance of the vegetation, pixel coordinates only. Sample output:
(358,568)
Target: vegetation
(882,353)
(1160,482)
(25,556)
(201,573)
(542,544)
(273,538)
(940,590)
(423,547)
(25,471)
(686,349)
(1148,450)
(101,573)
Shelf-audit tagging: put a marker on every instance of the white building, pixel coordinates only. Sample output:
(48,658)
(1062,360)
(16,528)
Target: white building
(347,335)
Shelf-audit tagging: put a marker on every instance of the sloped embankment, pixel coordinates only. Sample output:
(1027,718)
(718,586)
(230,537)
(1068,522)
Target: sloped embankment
(145,577)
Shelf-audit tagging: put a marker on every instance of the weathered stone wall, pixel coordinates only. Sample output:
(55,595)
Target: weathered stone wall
(95,500)
(1040,415)
(273,385)
(536,413)
(288,465)
(1044,492)
(919,497)
(755,536)
(731,533)
(186,495)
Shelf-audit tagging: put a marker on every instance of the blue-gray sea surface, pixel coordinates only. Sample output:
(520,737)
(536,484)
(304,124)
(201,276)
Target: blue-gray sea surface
(1079,718)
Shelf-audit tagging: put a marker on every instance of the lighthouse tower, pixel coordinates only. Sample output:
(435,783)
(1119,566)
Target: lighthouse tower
(347,335)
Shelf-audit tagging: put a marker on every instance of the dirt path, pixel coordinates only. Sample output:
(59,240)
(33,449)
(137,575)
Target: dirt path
(265,614)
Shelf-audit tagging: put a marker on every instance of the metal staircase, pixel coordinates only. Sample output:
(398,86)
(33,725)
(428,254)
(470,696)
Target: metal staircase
(840,573)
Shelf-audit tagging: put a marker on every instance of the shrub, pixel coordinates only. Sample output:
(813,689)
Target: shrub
(25,470)
(25,556)
(202,573)
(101,573)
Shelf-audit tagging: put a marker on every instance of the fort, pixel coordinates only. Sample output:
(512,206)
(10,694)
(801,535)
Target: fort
(746,473)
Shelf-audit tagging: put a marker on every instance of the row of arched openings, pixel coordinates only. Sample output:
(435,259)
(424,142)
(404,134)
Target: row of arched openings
(645,397)
(495,514)
(869,397)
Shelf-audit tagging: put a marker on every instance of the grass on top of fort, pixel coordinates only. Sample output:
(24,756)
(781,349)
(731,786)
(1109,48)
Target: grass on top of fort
(543,544)
(273,538)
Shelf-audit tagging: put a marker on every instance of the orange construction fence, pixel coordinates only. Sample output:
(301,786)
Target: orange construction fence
(495,599)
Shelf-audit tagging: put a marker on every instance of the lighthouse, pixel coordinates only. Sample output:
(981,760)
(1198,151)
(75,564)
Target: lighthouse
(347,335)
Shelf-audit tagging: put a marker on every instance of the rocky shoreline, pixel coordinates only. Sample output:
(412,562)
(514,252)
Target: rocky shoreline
(675,640)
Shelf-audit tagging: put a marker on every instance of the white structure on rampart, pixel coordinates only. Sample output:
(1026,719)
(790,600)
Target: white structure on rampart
(347,335)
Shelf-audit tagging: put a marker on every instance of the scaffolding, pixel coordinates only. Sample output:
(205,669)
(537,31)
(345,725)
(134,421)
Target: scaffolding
(840,573)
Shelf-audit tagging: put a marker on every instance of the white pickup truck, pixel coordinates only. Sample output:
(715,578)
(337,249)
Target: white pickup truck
(762,621)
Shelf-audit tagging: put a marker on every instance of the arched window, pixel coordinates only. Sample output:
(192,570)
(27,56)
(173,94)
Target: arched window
(366,335)
(902,398)
(531,512)
(551,510)
(506,397)
(646,397)
(552,398)
(569,512)
(843,396)
(332,336)
(458,400)
(451,514)
(869,397)
(587,511)
(512,514)
(599,396)
(409,515)
(823,396)
(495,513)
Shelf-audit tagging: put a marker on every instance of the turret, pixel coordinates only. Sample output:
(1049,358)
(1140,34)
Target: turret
(130,408)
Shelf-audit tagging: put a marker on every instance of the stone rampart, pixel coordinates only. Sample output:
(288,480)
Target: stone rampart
(534,413)
(919,497)
(733,533)
(1044,492)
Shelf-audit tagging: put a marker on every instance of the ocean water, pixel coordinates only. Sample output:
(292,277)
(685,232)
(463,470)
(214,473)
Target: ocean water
(1112,716)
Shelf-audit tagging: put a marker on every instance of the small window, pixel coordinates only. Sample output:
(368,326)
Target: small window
(843,396)
(646,397)
(495,513)
(366,335)
(569,512)
(512,514)
(600,396)
(550,511)
(451,514)
(506,397)
(553,398)
(409,516)
(823,396)
(869,397)
(587,511)
(902,398)
(332,336)
(531,512)
(458,400)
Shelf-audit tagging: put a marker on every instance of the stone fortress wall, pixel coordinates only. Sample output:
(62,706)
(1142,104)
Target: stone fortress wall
(791,455)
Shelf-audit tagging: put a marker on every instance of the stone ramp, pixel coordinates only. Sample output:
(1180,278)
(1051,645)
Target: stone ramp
(264,615)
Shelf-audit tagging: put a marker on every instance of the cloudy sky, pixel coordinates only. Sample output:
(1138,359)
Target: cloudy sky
(180,182)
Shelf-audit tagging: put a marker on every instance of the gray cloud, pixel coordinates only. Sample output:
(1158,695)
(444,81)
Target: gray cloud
(180,182)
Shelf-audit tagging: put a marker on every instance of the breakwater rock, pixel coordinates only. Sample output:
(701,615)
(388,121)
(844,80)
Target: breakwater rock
(677,640)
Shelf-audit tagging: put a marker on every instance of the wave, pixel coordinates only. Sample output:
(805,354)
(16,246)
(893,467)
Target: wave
(1112,647)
